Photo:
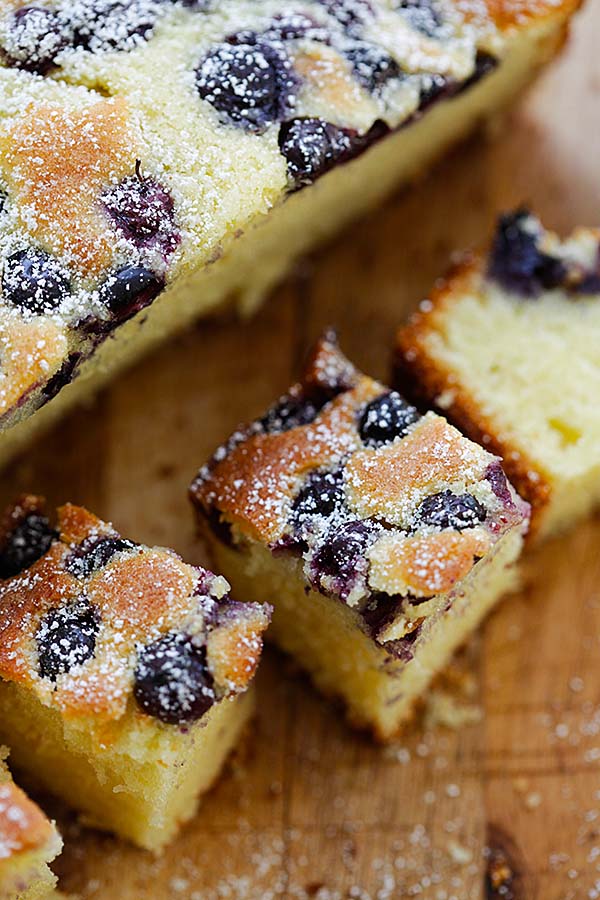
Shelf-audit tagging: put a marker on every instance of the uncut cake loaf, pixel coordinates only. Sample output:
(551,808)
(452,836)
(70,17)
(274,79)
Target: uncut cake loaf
(123,670)
(28,842)
(158,157)
(382,537)
(508,347)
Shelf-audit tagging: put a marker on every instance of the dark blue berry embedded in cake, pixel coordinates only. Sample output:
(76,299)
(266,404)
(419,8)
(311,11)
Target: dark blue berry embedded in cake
(386,418)
(96,552)
(34,281)
(312,147)
(448,510)
(292,411)
(64,376)
(35,36)
(126,293)
(339,563)
(434,88)
(517,263)
(371,65)
(352,14)
(250,84)
(144,213)
(322,495)
(422,15)
(27,542)
(66,638)
(485,64)
(295,26)
(102,25)
(172,681)
(499,483)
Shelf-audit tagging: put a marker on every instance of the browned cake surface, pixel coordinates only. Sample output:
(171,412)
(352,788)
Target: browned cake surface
(88,619)
(313,807)
(122,173)
(526,265)
(23,826)
(373,496)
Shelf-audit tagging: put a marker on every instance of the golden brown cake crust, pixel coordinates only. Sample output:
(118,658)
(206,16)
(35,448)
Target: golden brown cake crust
(423,379)
(86,606)
(57,163)
(89,238)
(510,14)
(23,826)
(254,482)
(368,503)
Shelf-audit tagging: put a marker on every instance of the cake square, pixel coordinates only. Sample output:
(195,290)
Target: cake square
(137,194)
(507,348)
(28,843)
(382,537)
(123,670)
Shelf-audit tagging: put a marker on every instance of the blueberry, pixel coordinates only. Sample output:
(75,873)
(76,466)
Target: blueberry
(434,88)
(95,553)
(102,25)
(292,411)
(66,638)
(25,544)
(250,84)
(294,26)
(498,483)
(322,495)
(386,418)
(372,66)
(341,558)
(352,14)
(33,280)
(35,37)
(589,283)
(517,263)
(220,527)
(485,64)
(172,681)
(448,510)
(312,147)
(144,212)
(422,15)
(64,376)
(128,291)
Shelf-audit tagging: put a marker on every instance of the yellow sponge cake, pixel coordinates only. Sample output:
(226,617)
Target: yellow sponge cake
(28,842)
(381,536)
(508,348)
(123,670)
(160,157)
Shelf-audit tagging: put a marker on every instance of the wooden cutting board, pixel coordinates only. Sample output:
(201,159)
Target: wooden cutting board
(308,808)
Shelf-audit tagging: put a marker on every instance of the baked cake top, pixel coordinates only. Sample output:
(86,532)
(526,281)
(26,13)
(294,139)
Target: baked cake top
(23,826)
(508,345)
(383,504)
(96,624)
(137,137)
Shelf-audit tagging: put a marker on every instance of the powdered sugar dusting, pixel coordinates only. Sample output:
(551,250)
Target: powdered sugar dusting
(85,94)
(80,625)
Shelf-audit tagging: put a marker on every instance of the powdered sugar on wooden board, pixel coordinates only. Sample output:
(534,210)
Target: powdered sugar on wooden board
(348,814)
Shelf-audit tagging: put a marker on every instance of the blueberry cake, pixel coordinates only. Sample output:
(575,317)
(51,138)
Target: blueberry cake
(28,842)
(381,536)
(508,348)
(123,670)
(158,157)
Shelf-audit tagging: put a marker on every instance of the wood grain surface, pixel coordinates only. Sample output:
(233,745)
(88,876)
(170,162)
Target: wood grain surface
(507,806)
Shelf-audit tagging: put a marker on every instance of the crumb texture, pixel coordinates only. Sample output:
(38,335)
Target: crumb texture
(120,174)
(509,348)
